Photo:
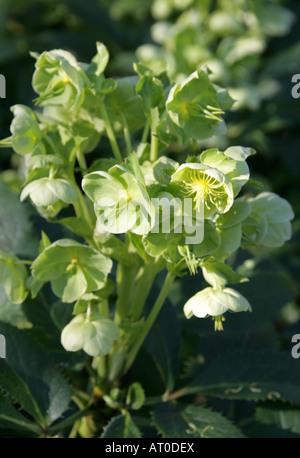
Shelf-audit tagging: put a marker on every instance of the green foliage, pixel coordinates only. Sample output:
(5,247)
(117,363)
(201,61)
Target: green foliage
(192,422)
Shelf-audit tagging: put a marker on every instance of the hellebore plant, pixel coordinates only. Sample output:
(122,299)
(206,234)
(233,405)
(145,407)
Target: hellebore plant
(137,213)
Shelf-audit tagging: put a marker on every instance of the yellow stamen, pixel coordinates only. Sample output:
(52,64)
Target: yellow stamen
(205,188)
(218,322)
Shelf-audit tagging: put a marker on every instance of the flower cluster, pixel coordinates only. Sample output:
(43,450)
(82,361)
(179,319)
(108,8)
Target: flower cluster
(140,208)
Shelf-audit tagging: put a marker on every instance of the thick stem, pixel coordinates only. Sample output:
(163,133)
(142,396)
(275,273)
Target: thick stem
(144,281)
(154,147)
(81,208)
(110,133)
(150,320)
(145,133)
(81,159)
(125,290)
(127,135)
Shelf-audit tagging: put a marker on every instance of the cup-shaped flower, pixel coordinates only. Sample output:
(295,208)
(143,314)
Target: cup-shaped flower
(215,302)
(269,223)
(13,276)
(95,334)
(232,162)
(47,191)
(72,268)
(25,130)
(121,201)
(210,189)
(59,79)
(193,105)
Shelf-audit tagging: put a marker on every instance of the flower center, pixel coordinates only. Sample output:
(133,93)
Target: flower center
(185,107)
(66,79)
(72,265)
(205,189)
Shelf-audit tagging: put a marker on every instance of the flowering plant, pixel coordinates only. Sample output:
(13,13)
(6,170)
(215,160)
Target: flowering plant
(132,217)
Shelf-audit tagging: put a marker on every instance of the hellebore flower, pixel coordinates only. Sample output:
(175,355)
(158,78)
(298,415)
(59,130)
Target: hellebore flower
(195,106)
(59,79)
(215,302)
(207,186)
(94,334)
(25,130)
(121,201)
(48,191)
(269,223)
(72,268)
(232,162)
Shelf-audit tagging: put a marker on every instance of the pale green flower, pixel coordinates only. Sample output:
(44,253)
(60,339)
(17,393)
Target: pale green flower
(59,79)
(195,107)
(121,201)
(72,268)
(94,334)
(207,186)
(215,302)
(47,191)
(25,130)
(269,223)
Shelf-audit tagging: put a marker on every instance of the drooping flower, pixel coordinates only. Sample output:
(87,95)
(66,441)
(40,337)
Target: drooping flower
(94,334)
(47,191)
(215,302)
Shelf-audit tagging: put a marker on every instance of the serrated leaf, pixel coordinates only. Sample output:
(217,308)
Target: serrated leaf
(18,390)
(180,421)
(122,427)
(29,376)
(250,375)
(11,417)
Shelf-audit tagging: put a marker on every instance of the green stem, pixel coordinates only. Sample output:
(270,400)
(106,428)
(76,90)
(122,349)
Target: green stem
(144,281)
(81,208)
(126,135)
(125,290)
(154,147)
(145,133)
(150,320)
(82,211)
(110,133)
(99,364)
(81,159)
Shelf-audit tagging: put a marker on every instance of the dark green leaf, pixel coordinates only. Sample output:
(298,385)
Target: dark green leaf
(174,421)
(123,427)
(29,376)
